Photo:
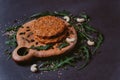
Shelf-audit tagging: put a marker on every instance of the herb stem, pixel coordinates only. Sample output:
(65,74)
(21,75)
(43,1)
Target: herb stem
(99,42)
(87,57)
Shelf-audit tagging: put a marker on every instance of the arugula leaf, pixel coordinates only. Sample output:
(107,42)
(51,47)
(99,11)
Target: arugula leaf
(60,13)
(85,16)
(12,41)
(8,53)
(46,47)
(57,63)
(39,15)
(62,45)
(13,28)
(66,61)
(88,27)
(99,42)
(87,56)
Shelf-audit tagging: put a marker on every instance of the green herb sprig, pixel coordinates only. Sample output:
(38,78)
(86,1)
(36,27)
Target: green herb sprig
(62,45)
(13,28)
(99,42)
(86,52)
(46,47)
(54,65)
(12,38)
(55,13)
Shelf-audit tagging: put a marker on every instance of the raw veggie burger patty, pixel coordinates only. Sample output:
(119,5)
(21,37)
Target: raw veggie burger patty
(49,29)
(49,26)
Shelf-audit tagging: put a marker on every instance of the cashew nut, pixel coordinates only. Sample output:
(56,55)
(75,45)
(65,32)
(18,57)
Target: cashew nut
(90,43)
(80,20)
(34,68)
(70,39)
(67,18)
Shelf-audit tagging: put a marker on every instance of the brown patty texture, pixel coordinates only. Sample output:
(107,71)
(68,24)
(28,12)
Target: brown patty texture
(48,26)
(51,40)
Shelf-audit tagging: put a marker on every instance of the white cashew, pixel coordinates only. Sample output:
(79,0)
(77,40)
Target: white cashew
(90,43)
(70,39)
(67,18)
(80,20)
(34,68)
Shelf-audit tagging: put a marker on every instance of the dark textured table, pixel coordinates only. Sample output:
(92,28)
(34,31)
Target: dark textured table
(105,16)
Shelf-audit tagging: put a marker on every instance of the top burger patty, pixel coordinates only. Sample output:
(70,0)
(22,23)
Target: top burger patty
(49,26)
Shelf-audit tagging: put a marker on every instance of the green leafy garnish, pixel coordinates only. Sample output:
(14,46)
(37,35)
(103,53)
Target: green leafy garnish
(60,13)
(88,27)
(12,41)
(8,53)
(83,15)
(12,37)
(86,52)
(46,47)
(53,65)
(62,45)
(99,42)
(40,15)
(13,28)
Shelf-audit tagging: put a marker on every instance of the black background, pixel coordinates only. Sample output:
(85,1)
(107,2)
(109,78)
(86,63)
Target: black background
(105,16)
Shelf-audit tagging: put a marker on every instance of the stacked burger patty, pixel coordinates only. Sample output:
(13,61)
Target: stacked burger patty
(49,29)
(38,35)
